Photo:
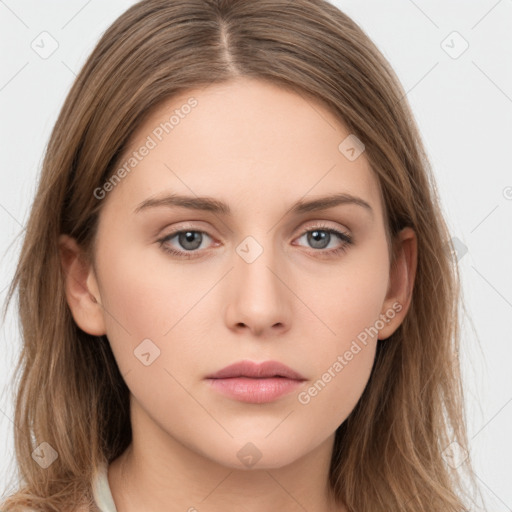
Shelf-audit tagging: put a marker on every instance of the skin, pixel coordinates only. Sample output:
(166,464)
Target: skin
(290,304)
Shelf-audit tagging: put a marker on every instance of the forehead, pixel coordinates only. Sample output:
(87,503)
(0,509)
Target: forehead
(243,140)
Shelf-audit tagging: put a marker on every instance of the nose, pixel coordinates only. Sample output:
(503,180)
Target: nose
(259,298)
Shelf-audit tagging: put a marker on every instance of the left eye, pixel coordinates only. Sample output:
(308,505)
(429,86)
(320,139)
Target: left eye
(318,237)
(190,240)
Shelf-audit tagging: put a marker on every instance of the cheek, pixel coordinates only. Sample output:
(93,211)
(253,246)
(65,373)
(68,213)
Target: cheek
(328,400)
(349,305)
(145,297)
(343,359)
(350,301)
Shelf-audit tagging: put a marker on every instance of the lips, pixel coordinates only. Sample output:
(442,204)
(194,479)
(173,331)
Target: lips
(250,369)
(255,383)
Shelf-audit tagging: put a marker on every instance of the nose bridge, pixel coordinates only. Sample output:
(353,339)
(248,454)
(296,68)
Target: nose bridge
(259,299)
(256,257)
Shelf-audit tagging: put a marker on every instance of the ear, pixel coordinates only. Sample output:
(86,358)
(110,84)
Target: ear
(81,287)
(401,282)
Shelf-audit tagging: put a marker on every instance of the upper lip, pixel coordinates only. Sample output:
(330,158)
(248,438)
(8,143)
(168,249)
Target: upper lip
(252,369)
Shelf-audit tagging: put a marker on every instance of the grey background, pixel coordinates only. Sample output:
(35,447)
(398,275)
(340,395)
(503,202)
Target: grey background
(463,106)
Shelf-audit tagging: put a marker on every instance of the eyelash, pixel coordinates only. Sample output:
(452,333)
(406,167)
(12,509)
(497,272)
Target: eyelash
(344,237)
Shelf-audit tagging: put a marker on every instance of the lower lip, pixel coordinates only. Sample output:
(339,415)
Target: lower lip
(255,391)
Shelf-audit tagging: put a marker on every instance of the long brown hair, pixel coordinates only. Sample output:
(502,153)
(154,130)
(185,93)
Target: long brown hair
(388,454)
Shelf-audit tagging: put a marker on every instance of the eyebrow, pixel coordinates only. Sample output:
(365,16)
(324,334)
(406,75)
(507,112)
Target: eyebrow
(211,204)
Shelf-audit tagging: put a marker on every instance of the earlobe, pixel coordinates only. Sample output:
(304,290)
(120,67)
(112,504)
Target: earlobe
(81,287)
(401,282)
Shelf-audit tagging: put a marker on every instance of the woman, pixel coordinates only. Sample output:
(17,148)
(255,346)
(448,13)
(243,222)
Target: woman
(189,337)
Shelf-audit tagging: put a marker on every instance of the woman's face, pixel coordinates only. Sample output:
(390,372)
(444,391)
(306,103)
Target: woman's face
(259,276)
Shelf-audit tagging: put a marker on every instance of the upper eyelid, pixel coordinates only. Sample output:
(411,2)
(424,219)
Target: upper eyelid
(318,225)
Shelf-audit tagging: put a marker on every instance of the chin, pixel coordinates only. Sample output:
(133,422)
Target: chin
(257,454)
